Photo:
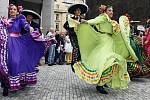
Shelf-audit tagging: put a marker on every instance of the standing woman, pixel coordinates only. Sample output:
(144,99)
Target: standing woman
(76,10)
(100,63)
(22,50)
(68,49)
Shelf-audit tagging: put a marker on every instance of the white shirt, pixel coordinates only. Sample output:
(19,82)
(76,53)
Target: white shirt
(50,34)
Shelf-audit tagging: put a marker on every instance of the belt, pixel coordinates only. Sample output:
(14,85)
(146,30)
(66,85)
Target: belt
(14,34)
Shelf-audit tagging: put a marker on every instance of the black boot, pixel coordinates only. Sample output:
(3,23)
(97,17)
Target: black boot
(72,68)
(105,85)
(101,90)
(5,91)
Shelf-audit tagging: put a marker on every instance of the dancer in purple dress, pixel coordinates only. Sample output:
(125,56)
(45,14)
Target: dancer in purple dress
(23,53)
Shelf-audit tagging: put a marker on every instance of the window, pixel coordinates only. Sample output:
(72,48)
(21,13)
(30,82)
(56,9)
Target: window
(57,16)
(66,17)
(57,6)
(57,26)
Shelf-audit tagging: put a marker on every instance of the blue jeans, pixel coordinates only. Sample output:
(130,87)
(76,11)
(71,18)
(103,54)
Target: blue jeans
(51,55)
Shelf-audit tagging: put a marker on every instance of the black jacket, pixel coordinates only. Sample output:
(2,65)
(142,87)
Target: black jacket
(71,29)
(35,25)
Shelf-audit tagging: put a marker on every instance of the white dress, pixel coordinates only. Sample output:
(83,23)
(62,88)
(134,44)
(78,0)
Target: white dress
(68,46)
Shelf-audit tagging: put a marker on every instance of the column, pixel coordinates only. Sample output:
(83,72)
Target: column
(4,8)
(47,15)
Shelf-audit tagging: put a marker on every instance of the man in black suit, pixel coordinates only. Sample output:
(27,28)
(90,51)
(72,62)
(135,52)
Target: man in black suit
(32,23)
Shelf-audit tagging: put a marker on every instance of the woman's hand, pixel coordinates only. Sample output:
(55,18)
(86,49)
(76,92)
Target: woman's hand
(84,21)
(31,29)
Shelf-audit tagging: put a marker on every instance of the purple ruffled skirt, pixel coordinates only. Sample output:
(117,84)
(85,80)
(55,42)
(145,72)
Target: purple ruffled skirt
(24,54)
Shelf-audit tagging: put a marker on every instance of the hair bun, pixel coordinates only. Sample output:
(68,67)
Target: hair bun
(102,8)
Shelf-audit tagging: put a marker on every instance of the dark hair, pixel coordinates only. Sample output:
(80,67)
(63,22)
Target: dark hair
(108,6)
(19,7)
(104,8)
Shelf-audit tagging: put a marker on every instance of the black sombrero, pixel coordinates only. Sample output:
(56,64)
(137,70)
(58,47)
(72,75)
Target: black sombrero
(82,7)
(32,13)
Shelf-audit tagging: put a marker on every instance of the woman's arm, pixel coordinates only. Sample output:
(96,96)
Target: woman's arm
(99,19)
(24,24)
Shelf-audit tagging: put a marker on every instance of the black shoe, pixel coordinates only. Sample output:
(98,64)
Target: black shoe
(61,63)
(101,90)
(54,63)
(72,68)
(36,70)
(105,85)
(50,64)
(5,92)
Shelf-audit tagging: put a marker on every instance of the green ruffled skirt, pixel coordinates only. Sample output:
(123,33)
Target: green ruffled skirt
(99,63)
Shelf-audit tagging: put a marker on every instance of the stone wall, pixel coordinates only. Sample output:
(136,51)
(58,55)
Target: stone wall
(3,7)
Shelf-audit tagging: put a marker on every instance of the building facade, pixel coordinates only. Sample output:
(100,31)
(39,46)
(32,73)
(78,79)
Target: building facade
(45,8)
(53,12)
(61,14)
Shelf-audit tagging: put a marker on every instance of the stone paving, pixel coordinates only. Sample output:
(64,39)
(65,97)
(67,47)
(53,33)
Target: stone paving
(58,82)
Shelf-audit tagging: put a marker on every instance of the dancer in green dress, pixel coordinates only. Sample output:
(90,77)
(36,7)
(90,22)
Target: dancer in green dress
(102,59)
(139,68)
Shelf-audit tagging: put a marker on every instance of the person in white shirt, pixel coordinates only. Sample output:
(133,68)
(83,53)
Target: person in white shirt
(51,49)
(68,49)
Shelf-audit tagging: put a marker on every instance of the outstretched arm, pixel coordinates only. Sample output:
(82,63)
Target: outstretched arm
(97,20)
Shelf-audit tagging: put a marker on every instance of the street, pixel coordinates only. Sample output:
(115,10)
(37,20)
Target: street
(58,82)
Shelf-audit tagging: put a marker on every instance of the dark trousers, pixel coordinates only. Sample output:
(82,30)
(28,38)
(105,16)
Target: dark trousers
(61,57)
(76,51)
(3,85)
(46,57)
(56,56)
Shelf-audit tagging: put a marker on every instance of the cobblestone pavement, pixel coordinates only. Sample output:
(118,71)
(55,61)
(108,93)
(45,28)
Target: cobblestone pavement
(60,83)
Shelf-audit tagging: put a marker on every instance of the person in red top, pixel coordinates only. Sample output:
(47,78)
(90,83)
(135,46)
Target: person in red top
(147,44)
(147,39)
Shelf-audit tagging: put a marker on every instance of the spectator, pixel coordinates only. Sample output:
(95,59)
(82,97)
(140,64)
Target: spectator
(68,49)
(51,49)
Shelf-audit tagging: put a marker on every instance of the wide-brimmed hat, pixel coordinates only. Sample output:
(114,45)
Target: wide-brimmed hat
(32,13)
(82,7)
